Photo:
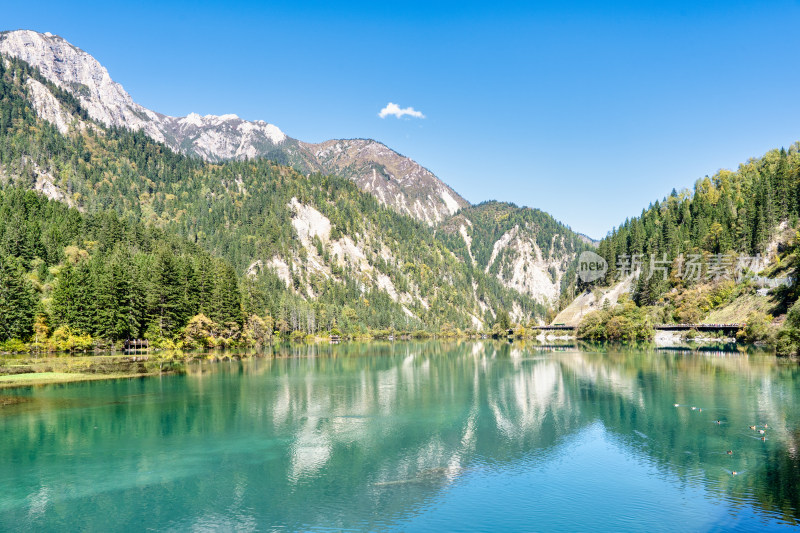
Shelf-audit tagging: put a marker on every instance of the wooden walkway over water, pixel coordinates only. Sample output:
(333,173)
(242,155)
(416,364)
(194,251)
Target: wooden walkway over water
(728,328)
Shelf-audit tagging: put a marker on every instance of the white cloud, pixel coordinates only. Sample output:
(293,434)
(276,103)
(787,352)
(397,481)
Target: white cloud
(394,109)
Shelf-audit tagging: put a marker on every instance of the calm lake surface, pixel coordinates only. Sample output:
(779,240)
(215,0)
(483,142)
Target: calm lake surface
(414,437)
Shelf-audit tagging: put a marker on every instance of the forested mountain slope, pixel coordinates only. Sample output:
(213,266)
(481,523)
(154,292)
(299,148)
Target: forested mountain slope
(320,251)
(63,272)
(727,251)
(736,213)
(525,249)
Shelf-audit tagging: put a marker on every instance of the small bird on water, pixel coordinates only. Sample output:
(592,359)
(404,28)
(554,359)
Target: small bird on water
(753,428)
(730,452)
(734,473)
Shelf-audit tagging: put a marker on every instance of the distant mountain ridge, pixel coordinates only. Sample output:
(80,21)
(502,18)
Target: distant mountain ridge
(397,181)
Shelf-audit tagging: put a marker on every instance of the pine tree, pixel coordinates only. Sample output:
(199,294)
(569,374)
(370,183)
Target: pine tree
(63,306)
(204,279)
(140,282)
(227,300)
(116,319)
(85,299)
(166,294)
(17,302)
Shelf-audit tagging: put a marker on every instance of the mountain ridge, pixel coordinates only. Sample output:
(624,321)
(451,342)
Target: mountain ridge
(404,184)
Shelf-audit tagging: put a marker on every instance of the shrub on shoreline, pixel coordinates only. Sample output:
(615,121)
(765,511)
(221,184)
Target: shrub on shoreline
(625,322)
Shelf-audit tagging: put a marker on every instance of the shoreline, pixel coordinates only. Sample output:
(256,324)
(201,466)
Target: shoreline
(37,379)
(27,372)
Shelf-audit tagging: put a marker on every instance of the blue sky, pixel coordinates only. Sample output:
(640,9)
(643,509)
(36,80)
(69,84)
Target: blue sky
(588,112)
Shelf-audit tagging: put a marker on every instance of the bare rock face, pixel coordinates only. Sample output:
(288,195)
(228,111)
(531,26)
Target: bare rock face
(47,106)
(524,249)
(396,181)
(518,263)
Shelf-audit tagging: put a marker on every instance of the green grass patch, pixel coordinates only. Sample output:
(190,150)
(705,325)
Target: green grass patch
(41,376)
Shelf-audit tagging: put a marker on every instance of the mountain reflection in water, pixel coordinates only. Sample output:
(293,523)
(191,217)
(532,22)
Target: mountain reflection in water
(385,436)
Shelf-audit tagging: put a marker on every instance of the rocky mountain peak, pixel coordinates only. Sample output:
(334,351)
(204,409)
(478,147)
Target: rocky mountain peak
(76,71)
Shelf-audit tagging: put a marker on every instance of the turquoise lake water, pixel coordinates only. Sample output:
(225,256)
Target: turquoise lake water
(414,437)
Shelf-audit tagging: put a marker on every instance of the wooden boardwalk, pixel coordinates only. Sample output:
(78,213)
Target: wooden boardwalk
(731,328)
(667,327)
